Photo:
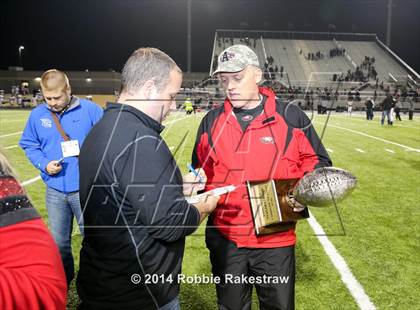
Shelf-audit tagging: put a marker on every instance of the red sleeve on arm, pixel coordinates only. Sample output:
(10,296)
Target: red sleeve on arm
(31,272)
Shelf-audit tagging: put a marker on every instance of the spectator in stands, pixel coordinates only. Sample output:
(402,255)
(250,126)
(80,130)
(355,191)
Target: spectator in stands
(31,271)
(52,138)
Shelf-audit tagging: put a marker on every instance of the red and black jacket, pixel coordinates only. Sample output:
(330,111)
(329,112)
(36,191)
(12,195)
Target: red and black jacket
(31,272)
(281,143)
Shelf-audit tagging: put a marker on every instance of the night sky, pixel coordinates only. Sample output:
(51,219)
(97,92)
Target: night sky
(100,35)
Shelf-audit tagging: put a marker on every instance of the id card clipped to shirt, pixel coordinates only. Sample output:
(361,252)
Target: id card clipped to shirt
(70,148)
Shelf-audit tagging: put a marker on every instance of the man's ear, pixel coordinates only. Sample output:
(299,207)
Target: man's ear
(258,75)
(68,91)
(149,89)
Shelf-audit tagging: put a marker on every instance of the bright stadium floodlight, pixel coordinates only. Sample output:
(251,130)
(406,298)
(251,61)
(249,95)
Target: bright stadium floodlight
(20,49)
(88,80)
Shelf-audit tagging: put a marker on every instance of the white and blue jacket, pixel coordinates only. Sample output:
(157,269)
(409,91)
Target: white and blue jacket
(41,140)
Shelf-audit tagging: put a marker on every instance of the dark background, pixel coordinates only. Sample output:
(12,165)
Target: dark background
(100,35)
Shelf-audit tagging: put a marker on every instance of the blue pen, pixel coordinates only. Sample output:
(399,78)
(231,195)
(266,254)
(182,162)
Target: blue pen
(195,173)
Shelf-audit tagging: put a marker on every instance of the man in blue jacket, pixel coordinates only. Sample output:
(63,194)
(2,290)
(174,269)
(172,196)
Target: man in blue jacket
(51,140)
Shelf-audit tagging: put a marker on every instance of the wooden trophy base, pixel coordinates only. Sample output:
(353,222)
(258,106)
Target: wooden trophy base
(270,208)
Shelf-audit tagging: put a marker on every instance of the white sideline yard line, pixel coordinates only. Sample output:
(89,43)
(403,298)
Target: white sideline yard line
(390,151)
(330,150)
(11,134)
(10,147)
(171,122)
(376,138)
(359,150)
(354,287)
(175,120)
(27,182)
(378,122)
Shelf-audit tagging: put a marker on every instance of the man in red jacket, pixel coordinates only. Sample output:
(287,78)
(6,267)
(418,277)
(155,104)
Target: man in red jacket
(253,136)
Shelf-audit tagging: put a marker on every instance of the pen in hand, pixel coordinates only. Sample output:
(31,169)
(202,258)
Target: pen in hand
(191,168)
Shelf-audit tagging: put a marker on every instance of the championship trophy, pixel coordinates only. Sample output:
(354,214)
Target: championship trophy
(276,205)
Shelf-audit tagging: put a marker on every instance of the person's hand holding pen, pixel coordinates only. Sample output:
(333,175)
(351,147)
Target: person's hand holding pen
(194,181)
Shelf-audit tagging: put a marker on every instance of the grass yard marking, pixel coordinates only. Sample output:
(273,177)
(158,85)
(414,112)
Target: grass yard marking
(359,150)
(14,120)
(171,148)
(10,147)
(330,150)
(377,122)
(402,126)
(376,138)
(354,287)
(31,181)
(390,151)
(175,120)
(11,134)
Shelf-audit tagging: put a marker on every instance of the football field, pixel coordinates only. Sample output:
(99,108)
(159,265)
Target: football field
(364,254)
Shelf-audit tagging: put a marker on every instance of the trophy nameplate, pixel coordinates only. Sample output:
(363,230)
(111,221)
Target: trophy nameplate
(270,208)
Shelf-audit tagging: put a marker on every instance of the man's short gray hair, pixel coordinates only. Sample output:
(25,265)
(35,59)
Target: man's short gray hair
(147,63)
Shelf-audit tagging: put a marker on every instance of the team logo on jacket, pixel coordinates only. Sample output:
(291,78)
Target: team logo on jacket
(247,118)
(267,140)
(46,122)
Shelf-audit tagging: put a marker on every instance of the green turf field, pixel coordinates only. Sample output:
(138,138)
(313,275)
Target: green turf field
(376,230)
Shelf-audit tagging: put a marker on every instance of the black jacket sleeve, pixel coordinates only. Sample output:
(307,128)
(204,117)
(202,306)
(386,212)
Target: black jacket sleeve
(311,148)
(152,184)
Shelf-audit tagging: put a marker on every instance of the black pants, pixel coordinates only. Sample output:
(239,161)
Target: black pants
(369,114)
(410,115)
(397,114)
(230,262)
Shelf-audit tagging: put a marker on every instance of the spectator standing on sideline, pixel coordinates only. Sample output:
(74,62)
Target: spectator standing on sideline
(398,108)
(410,108)
(386,109)
(53,135)
(369,108)
(349,106)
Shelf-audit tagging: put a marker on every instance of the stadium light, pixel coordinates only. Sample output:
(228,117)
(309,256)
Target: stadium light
(20,49)
(88,80)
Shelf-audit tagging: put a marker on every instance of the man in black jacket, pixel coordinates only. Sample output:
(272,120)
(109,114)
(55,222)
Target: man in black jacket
(369,108)
(132,195)
(386,109)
